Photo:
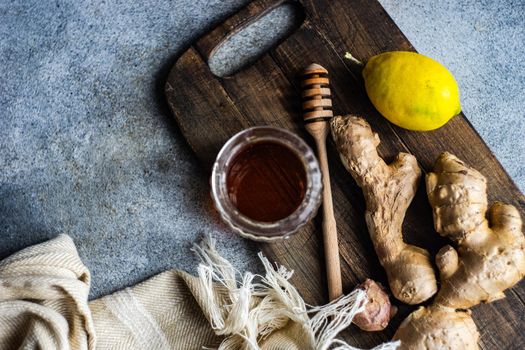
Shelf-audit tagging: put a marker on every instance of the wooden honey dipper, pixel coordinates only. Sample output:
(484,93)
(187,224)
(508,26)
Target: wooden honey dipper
(317,111)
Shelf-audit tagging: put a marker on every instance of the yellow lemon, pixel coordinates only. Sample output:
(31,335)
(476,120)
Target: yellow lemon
(411,90)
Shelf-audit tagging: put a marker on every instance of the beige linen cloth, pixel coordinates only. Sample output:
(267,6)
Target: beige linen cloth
(44,305)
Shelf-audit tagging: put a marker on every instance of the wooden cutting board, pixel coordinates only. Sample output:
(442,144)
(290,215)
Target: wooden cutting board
(209,110)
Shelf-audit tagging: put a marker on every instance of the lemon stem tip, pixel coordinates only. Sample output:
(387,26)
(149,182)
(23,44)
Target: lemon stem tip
(349,57)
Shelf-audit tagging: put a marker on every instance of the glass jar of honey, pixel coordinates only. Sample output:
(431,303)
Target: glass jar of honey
(266,183)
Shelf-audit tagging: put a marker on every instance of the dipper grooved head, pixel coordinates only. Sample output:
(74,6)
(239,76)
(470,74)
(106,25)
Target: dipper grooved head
(317,101)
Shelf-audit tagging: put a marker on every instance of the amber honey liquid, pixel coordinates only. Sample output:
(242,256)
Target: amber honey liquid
(266,181)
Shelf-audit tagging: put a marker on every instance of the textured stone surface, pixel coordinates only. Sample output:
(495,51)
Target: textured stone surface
(87,145)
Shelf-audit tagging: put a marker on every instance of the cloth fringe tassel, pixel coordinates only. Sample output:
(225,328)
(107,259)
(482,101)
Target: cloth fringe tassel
(254,306)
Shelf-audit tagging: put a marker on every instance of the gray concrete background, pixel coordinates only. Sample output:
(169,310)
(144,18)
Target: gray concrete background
(87,146)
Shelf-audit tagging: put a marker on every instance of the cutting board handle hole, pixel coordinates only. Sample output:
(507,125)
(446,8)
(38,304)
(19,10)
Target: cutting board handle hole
(246,44)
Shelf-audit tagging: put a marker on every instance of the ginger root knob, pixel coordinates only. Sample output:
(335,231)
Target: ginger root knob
(489,258)
(378,311)
(388,190)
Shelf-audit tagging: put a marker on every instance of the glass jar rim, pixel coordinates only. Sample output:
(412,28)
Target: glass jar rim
(259,230)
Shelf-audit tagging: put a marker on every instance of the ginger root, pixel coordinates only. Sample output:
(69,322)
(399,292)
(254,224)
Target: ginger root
(388,190)
(378,310)
(490,257)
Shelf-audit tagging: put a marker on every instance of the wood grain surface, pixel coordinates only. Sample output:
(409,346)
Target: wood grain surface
(209,110)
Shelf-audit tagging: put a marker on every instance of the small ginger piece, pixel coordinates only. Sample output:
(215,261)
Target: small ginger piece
(378,310)
(490,257)
(388,190)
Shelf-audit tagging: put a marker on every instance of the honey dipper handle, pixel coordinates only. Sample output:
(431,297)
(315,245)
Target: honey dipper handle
(317,110)
(331,248)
